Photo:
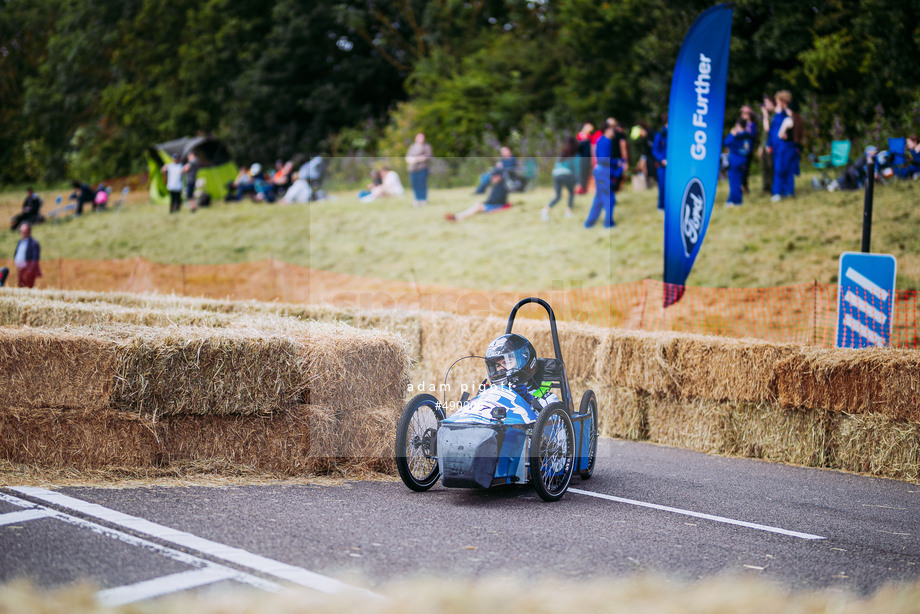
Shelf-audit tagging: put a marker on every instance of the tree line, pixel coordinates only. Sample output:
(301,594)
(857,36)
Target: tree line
(87,85)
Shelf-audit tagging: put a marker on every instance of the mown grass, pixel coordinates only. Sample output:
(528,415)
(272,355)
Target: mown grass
(758,245)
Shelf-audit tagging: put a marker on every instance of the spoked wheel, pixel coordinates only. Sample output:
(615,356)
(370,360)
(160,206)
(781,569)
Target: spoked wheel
(416,442)
(552,452)
(589,406)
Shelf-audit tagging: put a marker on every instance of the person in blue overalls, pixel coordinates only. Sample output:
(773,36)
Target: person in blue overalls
(612,157)
(738,142)
(660,153)
(784,139)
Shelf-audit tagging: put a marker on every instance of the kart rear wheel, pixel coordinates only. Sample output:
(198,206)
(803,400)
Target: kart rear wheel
(552,452)
(589,405)
(416,442)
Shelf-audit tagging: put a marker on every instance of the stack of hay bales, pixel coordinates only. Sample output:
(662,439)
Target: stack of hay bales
(269,393)
(848,409)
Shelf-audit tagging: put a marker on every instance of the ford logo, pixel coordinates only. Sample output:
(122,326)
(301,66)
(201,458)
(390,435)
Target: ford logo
(691,214)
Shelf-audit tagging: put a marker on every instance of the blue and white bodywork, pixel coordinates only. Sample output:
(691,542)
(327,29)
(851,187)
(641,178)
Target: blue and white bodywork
(486,441)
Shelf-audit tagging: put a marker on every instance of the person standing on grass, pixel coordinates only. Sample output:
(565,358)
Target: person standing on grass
(750,126)
(738,143)
(563,177)
(767,110)
(418,158)
(788,136)
(172,171)
(612,159)
(191,175)
(26,257)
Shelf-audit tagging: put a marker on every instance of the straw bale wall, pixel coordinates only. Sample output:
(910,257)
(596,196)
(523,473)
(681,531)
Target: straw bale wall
(272,393)
(854,410)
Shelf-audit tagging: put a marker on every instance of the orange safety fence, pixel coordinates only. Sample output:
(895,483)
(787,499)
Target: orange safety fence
(803,313)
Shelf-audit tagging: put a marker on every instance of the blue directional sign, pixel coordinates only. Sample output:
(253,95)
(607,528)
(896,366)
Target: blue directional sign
(865,299)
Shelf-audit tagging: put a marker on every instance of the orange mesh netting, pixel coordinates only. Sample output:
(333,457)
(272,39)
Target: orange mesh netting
(804,313)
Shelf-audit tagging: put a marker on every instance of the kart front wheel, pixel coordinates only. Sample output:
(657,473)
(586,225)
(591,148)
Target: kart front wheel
(416,442)
(552,452)
(589,406)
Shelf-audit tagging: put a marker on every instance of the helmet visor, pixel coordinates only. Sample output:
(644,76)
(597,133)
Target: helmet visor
(501,365)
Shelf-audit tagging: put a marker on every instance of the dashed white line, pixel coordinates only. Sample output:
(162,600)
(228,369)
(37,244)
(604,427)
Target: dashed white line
(237,556)
(165,585)
(23,516)
(176,555)
(674,510)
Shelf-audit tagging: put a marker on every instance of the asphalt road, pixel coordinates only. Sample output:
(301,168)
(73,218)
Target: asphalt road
(668,511)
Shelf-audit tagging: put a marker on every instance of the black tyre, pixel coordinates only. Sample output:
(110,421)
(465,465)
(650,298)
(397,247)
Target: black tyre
(589,406)
(552,452)
(416,442)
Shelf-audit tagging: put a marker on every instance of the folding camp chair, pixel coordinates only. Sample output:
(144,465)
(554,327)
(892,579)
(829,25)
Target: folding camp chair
(897,150)
(837,159)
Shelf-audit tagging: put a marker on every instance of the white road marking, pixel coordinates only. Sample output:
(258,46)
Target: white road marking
(23,516)
(863,330)
(867,284)
(176,555)
(165,585)
(237,556)
(864,306)
(674,510)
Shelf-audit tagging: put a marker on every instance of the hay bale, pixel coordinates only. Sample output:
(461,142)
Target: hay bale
(770,432)
(86,440)
(53,368)
(81,439)
(726,369)
(363,376)
(199,371)
(880,381)
(874,444)
(644,362)
(621,412)
(697,424)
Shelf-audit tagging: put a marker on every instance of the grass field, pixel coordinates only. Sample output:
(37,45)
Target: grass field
(758,245)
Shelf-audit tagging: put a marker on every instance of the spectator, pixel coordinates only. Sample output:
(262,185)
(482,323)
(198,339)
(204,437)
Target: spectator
(26,257)
(612,159)
(101,197)
(418,158)
(660,153)
(640,151)
(262,189)
(241,185)
(767,108)
(4,273)
(913,157)
(172,171)
(390,185)
(83,194)
(563,177)
(497,199)
(31,210)
(507,162)
(583,161)
(191,175)
(738,143)
(281,180)
(750,127)
(787,142)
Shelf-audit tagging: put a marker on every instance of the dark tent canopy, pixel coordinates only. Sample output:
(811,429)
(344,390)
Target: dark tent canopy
(216,167)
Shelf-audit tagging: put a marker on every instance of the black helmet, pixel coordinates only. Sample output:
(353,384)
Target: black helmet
(511,358)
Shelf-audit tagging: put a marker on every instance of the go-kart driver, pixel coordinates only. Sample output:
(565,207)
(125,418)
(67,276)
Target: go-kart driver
(512,360)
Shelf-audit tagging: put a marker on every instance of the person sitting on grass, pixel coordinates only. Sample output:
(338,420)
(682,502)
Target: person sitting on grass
(497,199)
(30,214)
(390,185)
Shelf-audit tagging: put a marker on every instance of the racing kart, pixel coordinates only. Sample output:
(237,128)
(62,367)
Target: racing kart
(498,437)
